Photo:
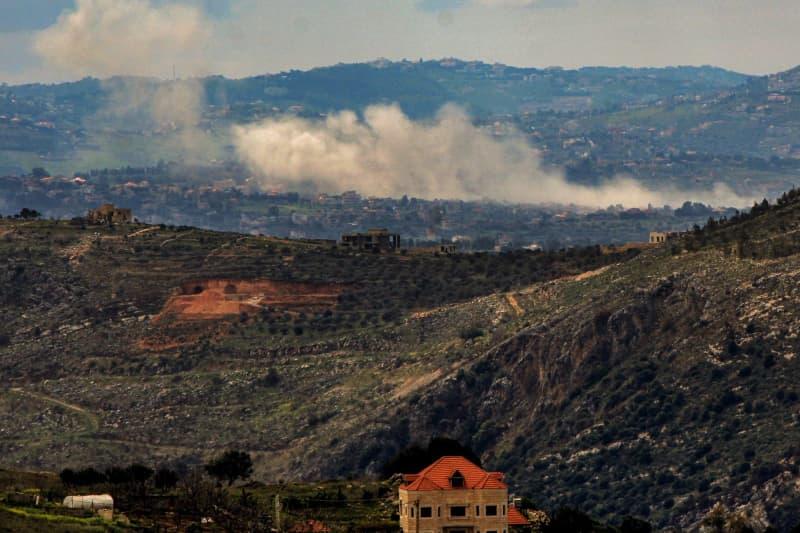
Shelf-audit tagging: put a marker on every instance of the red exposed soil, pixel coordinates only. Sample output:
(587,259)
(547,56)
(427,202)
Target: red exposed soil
(215,299)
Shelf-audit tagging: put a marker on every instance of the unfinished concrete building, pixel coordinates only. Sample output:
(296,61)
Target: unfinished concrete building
(109,214)
(660,237)
(378,240)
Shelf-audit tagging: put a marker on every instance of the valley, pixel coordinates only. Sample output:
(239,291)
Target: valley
(662,378)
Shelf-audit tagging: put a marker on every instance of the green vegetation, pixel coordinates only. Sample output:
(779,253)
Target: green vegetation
(415,458)
(654,383)
(232,465)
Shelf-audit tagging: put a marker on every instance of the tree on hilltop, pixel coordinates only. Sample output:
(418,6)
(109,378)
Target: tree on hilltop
(27,214)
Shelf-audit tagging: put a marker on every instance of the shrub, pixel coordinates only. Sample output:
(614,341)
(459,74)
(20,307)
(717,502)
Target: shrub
(568,520)
(470,333)
(634,525)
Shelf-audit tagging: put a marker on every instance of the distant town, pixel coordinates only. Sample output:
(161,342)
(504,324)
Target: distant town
(231,205)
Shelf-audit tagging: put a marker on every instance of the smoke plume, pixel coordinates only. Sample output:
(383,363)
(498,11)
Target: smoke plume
(388,154)
(383,153)
(125,37)
(123,41)
(171,109)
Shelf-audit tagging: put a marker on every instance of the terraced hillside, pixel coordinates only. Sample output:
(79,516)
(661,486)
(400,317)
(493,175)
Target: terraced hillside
(156,343)
(655,382)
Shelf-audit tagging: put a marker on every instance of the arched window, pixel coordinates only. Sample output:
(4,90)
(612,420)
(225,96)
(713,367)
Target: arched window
(457,480)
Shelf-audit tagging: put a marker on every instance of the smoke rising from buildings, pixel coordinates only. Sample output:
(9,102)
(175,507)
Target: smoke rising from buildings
(171,109)
(388,154)
(382,153)
(125,37)
(122,41)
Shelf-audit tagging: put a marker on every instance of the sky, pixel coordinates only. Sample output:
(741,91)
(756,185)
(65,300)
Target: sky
(54,40)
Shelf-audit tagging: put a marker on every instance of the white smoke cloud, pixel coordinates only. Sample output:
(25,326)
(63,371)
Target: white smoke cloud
(387,154)
(130,37)
(173,109)
(134,39)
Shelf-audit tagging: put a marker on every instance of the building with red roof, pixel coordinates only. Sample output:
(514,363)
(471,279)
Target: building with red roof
(454,495)
(516,519)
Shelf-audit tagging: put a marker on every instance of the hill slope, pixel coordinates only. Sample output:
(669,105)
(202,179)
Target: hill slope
(660,385)
(421,88)
(656,383)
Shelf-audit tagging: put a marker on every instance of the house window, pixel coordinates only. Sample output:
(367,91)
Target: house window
(425,512)
(457,480)
(458,511)
(491,510)
(439,511)
(412,512)
(504,511)
(477,510)
(491,532)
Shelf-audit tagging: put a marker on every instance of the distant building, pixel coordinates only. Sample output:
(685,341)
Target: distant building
(658,237)
(373,240)
(453,495)
(109,214)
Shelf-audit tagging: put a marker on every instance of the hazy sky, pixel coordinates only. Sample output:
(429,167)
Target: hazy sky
(243,37)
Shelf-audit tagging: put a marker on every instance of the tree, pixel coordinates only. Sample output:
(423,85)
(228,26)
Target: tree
(472,332)
(39,172)
(165,479)
(117,475)
(441,446)
(411,459)
(87,476)
(570,521)
(197,496)
(27,214)
(232,465)
(68,477)
(415,458)
(634,525)
(139,473)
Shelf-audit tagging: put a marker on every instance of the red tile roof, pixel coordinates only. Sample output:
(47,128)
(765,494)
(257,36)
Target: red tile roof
(516,518)
(437,476)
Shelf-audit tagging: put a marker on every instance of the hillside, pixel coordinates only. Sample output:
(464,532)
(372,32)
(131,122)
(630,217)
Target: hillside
(758,119)
(420,87)
(151,341)
(91,123)
(656,381)
(660,385)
